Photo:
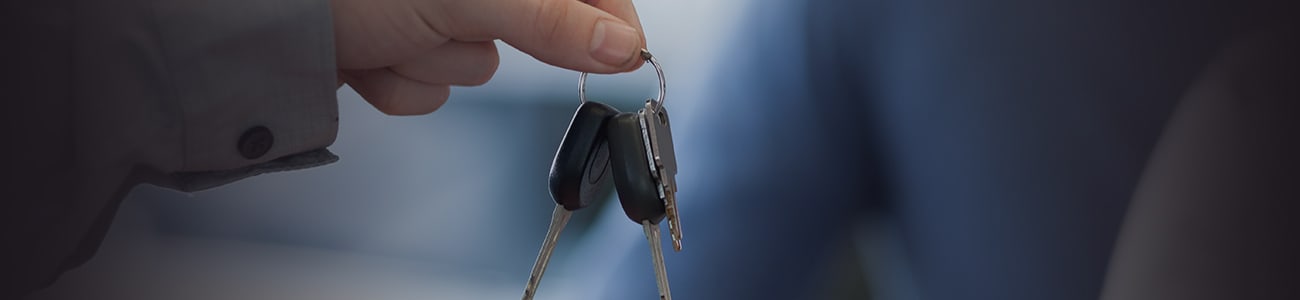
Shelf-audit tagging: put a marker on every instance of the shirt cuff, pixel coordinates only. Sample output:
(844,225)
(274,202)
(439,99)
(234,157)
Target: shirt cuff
(254,82)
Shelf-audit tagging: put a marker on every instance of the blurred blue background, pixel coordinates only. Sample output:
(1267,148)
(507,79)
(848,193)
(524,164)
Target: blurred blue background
(451,205)
(929,149)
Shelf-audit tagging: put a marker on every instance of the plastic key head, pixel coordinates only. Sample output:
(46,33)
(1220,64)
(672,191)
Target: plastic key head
(638,190)
(580,169)
(579,173)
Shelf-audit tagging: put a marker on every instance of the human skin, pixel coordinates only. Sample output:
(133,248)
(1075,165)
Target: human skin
(402,56)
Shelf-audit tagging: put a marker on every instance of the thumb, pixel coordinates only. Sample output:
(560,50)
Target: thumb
(565,33)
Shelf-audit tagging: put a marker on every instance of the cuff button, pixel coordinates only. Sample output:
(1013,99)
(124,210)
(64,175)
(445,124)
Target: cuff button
(255,142)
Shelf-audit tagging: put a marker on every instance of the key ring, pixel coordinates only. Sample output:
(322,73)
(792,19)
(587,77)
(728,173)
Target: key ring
(645,54)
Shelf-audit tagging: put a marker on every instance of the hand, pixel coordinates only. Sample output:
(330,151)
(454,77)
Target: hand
(402,55)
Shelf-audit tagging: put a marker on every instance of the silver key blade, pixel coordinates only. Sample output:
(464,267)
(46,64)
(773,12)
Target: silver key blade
(559,218)
(657,256)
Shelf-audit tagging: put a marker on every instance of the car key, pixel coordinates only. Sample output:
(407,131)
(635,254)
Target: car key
(638,180)
(654,123)
(579,173)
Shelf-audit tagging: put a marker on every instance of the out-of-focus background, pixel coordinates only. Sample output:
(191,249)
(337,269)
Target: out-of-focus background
(451,205)
(829,150)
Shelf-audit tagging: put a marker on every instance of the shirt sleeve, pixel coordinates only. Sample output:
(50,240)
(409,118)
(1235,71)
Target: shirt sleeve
(188,94)
(254,84)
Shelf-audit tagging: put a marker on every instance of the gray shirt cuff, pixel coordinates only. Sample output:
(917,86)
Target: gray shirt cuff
(254,82)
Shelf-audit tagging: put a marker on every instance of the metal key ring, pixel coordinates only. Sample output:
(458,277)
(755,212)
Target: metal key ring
(645,54)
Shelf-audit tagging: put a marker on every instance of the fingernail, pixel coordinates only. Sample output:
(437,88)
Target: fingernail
(613,43)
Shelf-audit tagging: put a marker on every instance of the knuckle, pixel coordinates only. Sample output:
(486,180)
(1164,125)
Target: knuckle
(437,100)
(488,69)
(482,77)
(385,105)
(549,18)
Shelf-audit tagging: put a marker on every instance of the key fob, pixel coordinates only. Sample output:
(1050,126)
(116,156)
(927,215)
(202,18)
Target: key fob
(581,167)
(638,191)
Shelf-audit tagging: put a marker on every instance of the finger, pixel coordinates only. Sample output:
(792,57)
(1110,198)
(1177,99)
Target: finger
(394,94)
(623,9)
(565,33)
(455,63)
(372,34)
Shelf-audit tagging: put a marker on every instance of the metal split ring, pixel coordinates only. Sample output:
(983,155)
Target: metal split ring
(645,54)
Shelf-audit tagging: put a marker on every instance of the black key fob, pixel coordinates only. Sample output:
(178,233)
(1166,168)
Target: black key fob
(581,167)
(638,191)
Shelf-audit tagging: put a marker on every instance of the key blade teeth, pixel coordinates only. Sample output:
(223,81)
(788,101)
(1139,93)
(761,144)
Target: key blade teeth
(674,230)
(674,220)
(676,234)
